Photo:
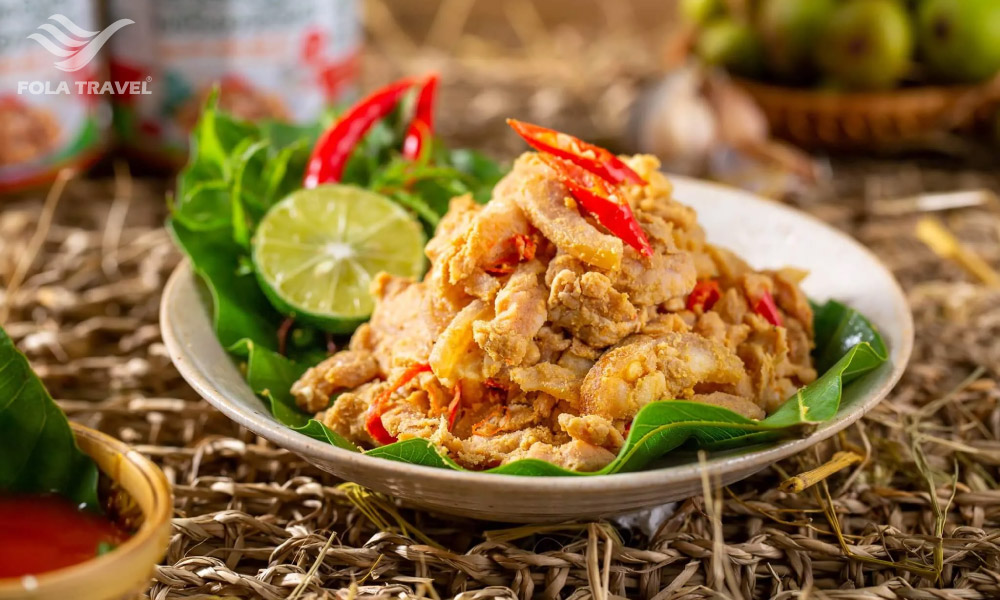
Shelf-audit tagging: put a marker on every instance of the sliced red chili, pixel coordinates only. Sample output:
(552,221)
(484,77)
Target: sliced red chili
(705,294)
(373,422)
(521,248)
(454,406)
(598,199)
(766,308)
(422,125)
(329,156)
(375,428)
(494,385)
(486,427)
(525,247)
(593,158)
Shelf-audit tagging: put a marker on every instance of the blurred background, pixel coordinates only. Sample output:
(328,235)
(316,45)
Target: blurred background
(777,96)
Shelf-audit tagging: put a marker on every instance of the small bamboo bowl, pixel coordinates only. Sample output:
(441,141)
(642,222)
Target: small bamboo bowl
(870,120)
(125,571)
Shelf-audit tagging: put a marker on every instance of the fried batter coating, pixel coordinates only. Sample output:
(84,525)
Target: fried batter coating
(550,208)
(343,370)
(585,304)
(545,334)
(520,312)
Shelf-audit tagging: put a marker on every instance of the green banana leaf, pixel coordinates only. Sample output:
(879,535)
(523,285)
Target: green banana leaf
(38,453)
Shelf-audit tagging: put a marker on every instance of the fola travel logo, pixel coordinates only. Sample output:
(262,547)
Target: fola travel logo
(76,45)
(74,48)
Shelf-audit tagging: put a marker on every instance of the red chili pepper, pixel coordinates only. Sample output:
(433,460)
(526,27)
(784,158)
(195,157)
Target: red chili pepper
(329,156)
(705,294)
(373,422)
(422,126)
(525,246)
(375,428)
(522,249)
(486,428)
(493,385)
(454,405)
(766,308)
(597,198)
(593,158)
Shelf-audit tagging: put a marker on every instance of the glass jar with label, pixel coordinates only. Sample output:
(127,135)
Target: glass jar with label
(271,59)
(53,110)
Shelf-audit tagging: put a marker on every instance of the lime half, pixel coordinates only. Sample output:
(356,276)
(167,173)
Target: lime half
(317,250)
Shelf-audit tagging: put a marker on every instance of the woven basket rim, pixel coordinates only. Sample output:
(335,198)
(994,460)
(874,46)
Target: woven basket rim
(989,88)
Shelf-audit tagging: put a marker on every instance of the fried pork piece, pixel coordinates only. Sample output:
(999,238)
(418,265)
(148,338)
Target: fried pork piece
(483,245)
(343,370)
(643,369)
(545,335)
(551,379)
(401,332)
(550,208)
(348,412)
(575,455)
(585,304)
(520,312)
(455,355)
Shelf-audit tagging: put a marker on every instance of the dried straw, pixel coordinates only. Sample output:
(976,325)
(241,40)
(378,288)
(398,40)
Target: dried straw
(919,519)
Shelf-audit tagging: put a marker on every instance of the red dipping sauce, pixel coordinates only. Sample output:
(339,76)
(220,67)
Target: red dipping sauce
(40,533)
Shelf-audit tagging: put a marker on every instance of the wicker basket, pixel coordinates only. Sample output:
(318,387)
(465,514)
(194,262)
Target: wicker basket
(871,120)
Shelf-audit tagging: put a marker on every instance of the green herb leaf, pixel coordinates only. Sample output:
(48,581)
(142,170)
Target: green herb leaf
(271,376)
(321,432)
(240,310)
(38,453)
(202,197)
(105,548)
(238,169)
(481,171)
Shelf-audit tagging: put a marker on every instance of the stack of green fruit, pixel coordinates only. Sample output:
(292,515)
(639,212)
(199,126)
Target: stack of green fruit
(850,44)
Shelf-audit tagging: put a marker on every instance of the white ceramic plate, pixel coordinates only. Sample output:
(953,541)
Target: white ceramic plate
(765,233)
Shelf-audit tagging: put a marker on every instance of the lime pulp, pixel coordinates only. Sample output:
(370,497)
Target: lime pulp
(317,250)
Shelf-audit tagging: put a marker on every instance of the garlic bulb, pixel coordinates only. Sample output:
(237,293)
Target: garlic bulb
(741,122)
(676,123)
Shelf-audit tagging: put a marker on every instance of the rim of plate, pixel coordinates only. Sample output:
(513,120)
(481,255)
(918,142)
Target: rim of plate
(308,447)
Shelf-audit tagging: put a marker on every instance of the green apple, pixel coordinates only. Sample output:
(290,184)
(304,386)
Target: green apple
(731,44)
(789,30)
(960,39)
(867,45)
(700,12)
